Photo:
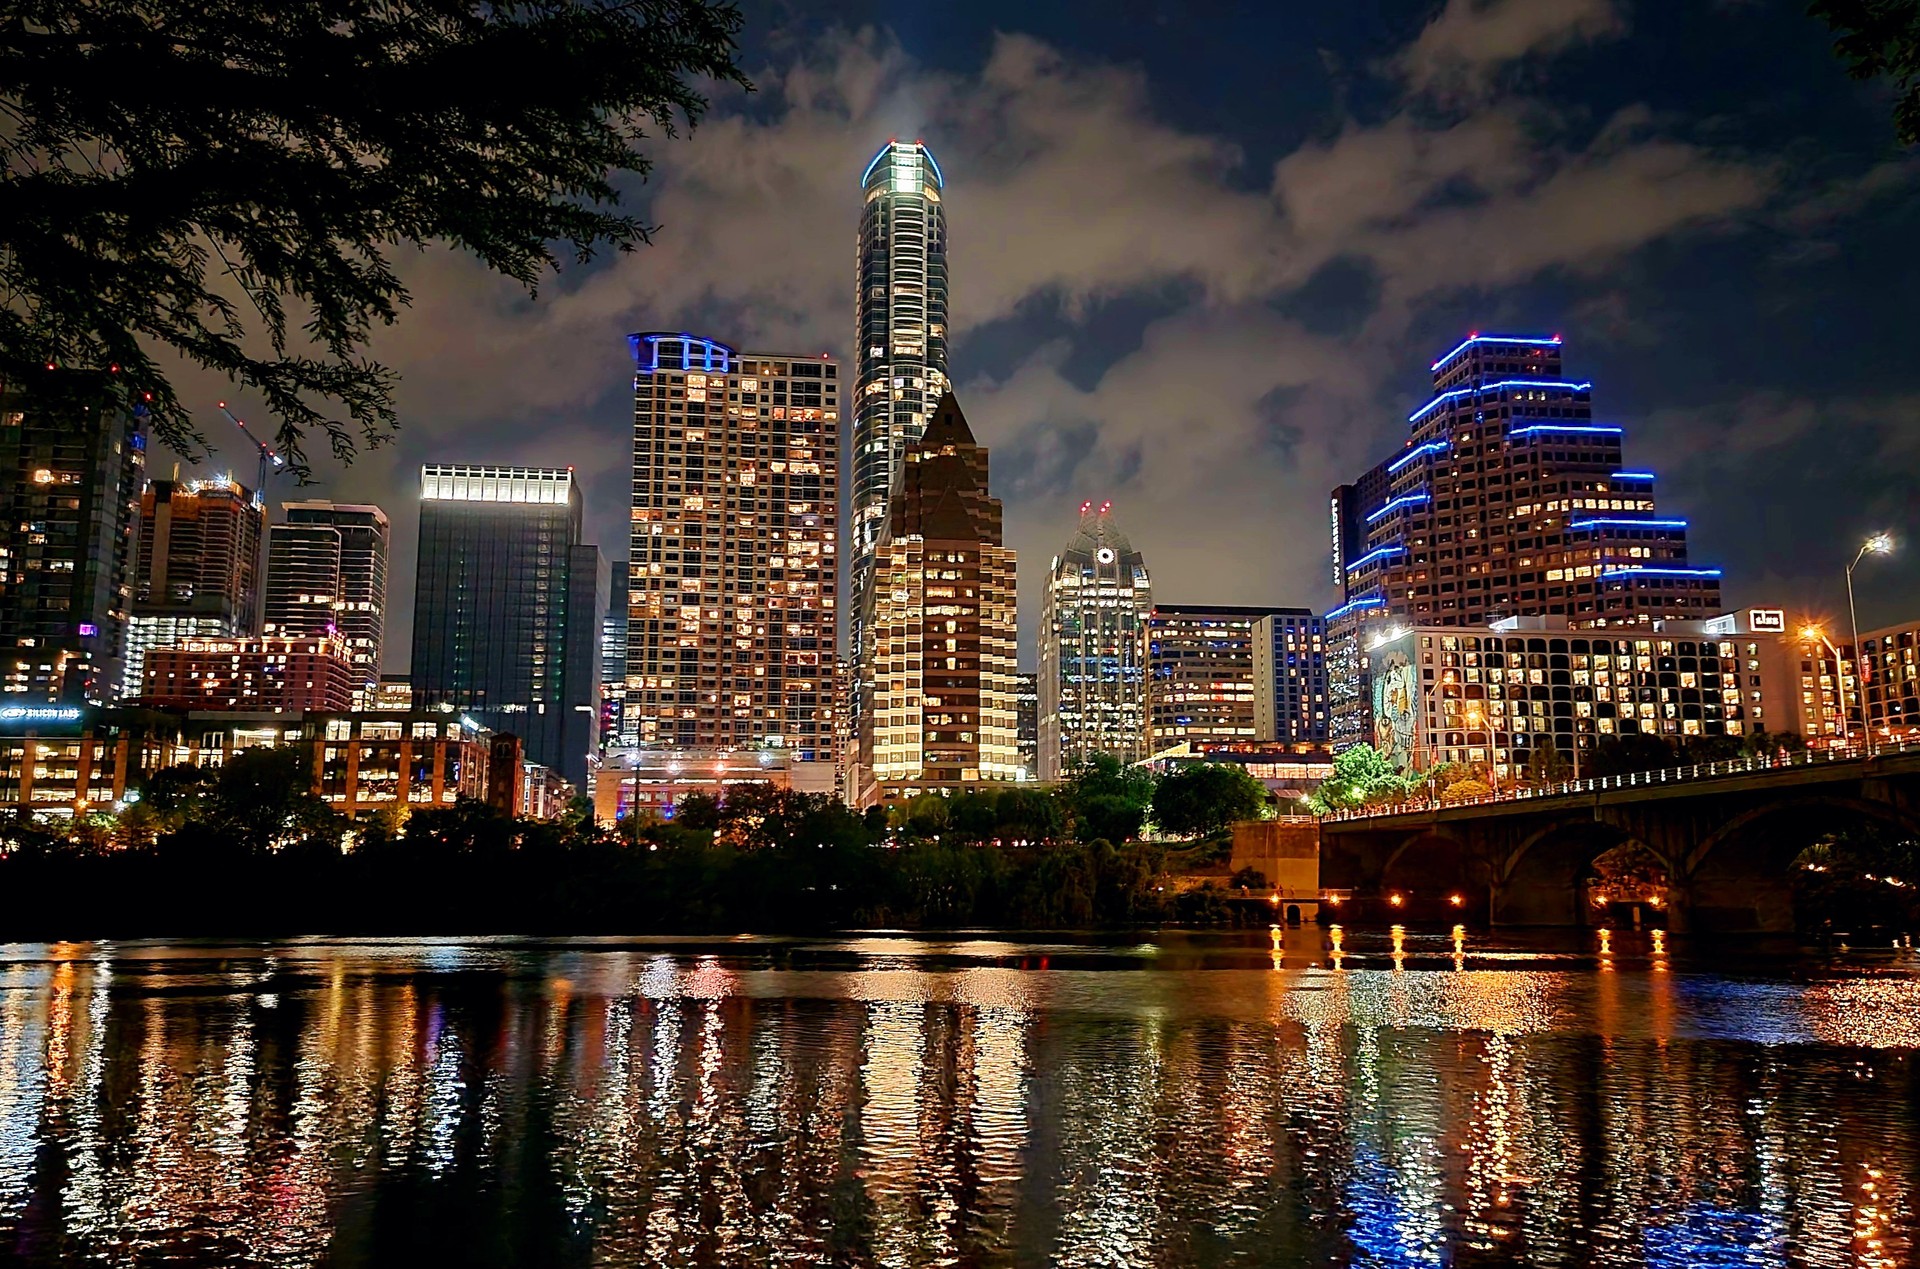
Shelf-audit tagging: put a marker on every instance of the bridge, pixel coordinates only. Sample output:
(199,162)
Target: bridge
(1727,834)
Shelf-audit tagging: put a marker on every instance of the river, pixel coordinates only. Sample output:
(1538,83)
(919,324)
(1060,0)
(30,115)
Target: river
(1307,1097)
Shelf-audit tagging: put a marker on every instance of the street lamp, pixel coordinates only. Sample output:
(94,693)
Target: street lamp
(1878,544)
(1818,634)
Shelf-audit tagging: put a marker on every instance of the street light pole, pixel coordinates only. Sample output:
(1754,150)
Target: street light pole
(1878,544)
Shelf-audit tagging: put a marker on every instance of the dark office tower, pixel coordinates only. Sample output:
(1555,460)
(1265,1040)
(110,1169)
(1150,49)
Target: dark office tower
(1026,708)
(900,344)
(1507,500)
(1290,678)
(196,568)
(613,628)
(327,573)
(507,605)
(733,567)
(71,467)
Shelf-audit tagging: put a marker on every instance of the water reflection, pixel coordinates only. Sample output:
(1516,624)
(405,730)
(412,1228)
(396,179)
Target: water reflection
(1293,1096)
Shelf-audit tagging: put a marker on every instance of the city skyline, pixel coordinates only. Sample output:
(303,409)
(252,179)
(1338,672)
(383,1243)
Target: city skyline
(1080,368)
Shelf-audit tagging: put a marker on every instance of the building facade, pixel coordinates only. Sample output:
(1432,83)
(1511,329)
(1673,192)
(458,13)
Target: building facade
(733,571)
(1290,678)
(900,338)
(268,674)
(937,707)
(196,568)
(507,607)
(71,468)
(1093,649)
(1507,499)
(1201,690)
(1495,695)
(327,574)
(72,760)
(1026,727)
(652,782)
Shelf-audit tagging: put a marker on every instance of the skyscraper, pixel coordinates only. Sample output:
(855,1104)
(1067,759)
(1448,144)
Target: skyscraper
(327,572)
(1290,678)
(71,466)
(1093,649)
(900,343)
(1507,499)
(196,567)
(1201,685)
(938,703)
(507,607)
(734,563)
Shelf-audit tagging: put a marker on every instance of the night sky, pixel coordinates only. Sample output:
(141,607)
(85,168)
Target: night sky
(1202,256)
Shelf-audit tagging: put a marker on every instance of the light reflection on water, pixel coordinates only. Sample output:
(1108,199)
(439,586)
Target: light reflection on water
(1284,1097)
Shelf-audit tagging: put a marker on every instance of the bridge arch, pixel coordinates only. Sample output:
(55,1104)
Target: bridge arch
(1740,879)
(1884,813)
(1543,879)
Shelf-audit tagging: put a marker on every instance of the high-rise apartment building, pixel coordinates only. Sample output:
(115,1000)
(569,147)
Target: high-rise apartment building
(1290,678)
(507,606)
(1507,499)
(900,345)
(71,467)
(327,574)
(279,674)
(1093,649)
(196,567)
(733,571)
(938,705)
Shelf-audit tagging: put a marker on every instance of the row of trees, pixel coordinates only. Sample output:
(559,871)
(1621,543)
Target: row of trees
(248,848)
(1362,776)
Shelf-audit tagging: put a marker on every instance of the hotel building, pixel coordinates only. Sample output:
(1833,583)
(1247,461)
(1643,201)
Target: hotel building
(1202,688)
(1507,499)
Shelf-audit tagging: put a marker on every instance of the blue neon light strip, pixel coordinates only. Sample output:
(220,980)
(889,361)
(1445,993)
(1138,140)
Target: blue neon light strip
(885,150)
(939,180)
(1631,524)
(1471,340)
(1632,475)
(1371,601)
(1445,397)
(1576,428)
(1431,447)
(1642,571)
(1404,500)
(1371,556)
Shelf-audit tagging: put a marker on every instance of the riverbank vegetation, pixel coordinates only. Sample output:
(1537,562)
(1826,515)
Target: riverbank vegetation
(248,850)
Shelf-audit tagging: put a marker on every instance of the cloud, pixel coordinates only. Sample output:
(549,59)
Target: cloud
(1219,434)
(1460,53)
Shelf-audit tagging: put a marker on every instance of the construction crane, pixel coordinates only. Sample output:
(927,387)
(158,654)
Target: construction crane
(270,460)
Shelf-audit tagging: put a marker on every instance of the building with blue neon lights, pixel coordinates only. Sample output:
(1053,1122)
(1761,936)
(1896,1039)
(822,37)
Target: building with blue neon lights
(1507,500)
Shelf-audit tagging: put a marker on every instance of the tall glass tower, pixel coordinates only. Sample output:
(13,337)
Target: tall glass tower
(900,346)
(1093,649)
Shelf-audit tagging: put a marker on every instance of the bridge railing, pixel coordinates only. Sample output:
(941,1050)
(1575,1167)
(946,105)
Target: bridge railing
(1634,779)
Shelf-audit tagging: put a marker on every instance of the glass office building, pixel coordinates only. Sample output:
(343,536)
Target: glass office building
(507,607)
(1093,649)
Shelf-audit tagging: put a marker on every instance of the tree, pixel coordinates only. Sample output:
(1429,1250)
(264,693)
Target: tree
(1361,775)
(1880,38)
(1547,765)
(1108,799)
(223,184)
(1203,799)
